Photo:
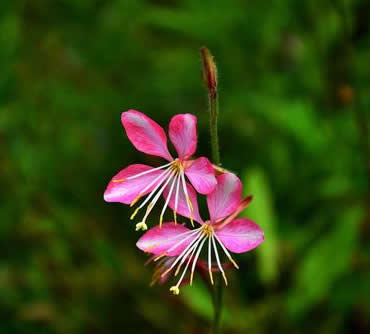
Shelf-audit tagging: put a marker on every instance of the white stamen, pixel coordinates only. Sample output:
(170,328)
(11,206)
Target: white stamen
(187,196)
(194,246)
(177,195)
(191,234)
(226,252)
(155,199)
(218,259)
(163,176)
(183,240)
(148,171)
(176,287)
(210,260)
(182,253)
(168,198)
(196,259)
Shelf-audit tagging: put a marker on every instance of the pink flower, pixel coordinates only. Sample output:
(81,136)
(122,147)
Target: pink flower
(136,181)
(231,234)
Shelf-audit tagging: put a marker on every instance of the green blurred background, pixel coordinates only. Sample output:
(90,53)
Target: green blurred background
(294,101)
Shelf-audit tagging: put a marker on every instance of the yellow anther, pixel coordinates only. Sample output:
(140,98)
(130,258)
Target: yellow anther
(190,204)
(191,210)
(160,221)
(175,290)
(234,263)
(175,216)
(207,229)
(211,276)
(135,200)
(191,278)
(134,214)
(225,279)
(141,226)
(118,180)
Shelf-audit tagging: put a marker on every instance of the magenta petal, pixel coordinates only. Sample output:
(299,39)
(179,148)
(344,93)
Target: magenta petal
(182,206)
(183,134)
(202,176)
(241,235)
(226,197)
(122,190)
(145,134)
(159,240)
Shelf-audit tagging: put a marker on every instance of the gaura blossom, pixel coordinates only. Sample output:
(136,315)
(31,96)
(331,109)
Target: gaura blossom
(136,181)
(223,229)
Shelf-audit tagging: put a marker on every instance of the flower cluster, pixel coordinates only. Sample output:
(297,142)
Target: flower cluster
(174,246)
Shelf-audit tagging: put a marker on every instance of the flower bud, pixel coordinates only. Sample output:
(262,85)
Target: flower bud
(209,72)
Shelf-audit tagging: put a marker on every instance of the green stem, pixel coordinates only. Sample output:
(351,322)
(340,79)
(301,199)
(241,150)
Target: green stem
(213,110)
(210,79)
(217,305)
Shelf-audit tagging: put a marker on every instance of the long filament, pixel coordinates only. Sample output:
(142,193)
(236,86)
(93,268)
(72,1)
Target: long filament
(218,260)
(226,252)
(148,171)
(188,202)
(196,259)
(168,198)
(210,260)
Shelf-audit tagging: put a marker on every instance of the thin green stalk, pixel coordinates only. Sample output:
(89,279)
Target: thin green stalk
(217,305)
(210,79)
(213,110)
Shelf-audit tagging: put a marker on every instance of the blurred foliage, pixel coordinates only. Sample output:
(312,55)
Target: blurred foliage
(294,124)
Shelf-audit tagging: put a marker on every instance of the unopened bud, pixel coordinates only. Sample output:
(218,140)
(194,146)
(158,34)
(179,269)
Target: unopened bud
(209,72)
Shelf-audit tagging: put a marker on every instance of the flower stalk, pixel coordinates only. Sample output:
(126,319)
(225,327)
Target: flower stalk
(210,79)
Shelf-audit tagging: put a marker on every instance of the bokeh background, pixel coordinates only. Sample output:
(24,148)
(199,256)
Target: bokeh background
(294,125)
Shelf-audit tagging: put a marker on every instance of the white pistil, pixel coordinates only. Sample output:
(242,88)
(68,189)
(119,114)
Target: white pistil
(177,197)
(188,202)
(218,259)
(175,289)
(141,226)
(226,252)
(168,198)
(210,260)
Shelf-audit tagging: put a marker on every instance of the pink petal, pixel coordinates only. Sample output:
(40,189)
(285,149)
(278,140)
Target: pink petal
(226,196)
(241,235)
(183,134)
(145,134)
(124,190)
(159,240)
(182,206)
(202,176)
